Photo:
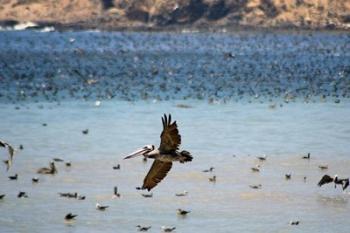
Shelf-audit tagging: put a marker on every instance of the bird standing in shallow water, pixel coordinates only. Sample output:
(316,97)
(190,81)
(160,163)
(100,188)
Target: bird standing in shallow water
(167,153)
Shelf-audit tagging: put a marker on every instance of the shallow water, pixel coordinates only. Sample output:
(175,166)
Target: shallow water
(212,132)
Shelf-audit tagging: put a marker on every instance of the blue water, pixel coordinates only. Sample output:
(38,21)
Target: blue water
(163,66)
(229,119)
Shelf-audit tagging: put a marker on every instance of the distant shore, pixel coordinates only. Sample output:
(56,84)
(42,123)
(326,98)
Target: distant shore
(82,26)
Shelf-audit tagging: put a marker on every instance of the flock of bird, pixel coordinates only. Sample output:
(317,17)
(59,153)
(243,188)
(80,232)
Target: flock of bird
(164,156)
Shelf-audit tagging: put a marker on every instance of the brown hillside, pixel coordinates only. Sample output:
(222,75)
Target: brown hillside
(193,13)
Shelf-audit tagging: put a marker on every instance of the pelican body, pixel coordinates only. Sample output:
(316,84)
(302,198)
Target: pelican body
(164,156)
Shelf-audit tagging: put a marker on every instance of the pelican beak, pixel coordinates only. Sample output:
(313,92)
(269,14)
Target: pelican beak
(136,153)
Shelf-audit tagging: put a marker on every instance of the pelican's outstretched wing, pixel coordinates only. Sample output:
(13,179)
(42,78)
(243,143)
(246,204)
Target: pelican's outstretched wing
(156,174)
(325,180)
(170,137)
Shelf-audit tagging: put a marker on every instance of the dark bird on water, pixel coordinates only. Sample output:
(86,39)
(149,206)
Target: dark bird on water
(69,195)
(184,193)
(48,170)
(117,167)
(68,164)
(167,153)
(81,197)
(209,170)
(167,229)
(308,156)
(256,168)
(58,160)
(262,158)
(147,195)
(255,186)
(70,216)
(212,179)
(182,212)
(143,228)
(22,194)
(116,194)
(323,167)
(101,207)
(2,196)
(35,179)
(85,131)
(288,176)
(14,177)
(328,179)
(294,223)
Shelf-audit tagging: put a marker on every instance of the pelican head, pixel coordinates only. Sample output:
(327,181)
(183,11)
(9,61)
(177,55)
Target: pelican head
(143,151)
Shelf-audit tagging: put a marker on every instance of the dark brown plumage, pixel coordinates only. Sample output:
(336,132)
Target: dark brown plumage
(325,180)
(164,155)
(170,137)
(156,174)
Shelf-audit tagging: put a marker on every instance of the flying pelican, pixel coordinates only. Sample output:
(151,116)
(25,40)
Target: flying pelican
(328,179)
(167,153)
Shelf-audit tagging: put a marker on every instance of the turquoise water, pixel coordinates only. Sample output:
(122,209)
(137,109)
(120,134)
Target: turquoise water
(212,132)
